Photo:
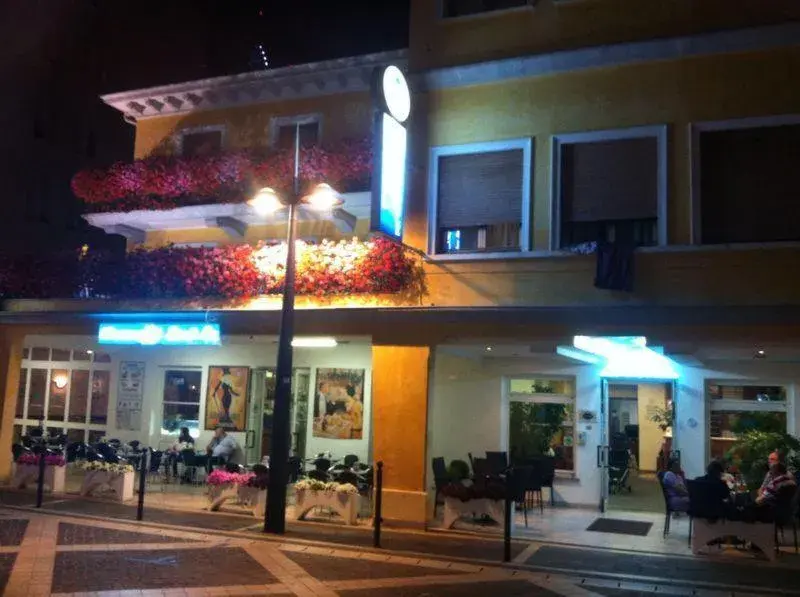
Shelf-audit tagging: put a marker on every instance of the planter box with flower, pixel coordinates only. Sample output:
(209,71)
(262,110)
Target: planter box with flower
(247,489)
(469,500)
(104,475)
(27,472)
(342,498)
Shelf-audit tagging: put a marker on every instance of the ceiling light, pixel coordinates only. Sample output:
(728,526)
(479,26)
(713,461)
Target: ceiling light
(760,353)
(488,349)
(60,381)
(314,342)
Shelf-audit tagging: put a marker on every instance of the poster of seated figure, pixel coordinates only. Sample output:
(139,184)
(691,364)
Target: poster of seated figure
(130,395)
(339,404)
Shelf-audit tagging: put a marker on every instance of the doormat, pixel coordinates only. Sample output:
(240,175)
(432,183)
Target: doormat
(620,527)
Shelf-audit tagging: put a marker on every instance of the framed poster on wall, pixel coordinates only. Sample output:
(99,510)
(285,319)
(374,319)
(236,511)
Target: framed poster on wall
(130,395)
(226,398)
(339,404)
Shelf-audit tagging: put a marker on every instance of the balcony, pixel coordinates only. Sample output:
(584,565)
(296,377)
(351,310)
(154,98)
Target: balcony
(167,192)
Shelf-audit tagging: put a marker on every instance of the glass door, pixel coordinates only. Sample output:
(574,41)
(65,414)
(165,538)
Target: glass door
(602,446)
(301,389)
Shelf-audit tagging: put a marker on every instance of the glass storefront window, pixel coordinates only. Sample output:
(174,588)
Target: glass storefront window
(542,420)
(37,393)
(79,396)
(98,414)
(76,435)
(60,355)
(726,426)
(95,436)
(181,401)
(59,386)
(23,388)
(39,353)
(81,355)
(750,393)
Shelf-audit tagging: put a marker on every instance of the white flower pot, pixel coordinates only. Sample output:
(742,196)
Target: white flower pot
(254,498)
(219,494)
(120,483)
(345,505)
(27,475)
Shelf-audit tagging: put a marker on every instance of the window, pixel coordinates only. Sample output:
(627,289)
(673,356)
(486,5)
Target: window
(181,401)
(66,390)
(480,197)
(201,141)
(610,187)
(736,409)
(284,130)
(748,181)
(461,8)
(542,420)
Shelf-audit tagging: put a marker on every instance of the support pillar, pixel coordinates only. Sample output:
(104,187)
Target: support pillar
(399,428)
(10,362)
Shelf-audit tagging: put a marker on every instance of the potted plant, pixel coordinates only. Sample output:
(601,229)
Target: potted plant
(100,474)
(341,498)
(27,471)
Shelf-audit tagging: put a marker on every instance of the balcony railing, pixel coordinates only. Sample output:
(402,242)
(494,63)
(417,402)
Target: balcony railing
(166,182)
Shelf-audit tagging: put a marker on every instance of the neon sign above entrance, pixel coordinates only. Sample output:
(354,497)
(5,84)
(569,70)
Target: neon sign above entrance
(156,334)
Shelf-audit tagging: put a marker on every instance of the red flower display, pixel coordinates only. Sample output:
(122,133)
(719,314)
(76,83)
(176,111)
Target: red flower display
(166,182)
(378,266)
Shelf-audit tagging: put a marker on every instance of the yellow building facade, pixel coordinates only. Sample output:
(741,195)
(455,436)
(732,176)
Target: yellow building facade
(597,107)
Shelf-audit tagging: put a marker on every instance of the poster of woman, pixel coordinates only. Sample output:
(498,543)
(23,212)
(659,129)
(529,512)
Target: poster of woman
(339,404)
(226,399)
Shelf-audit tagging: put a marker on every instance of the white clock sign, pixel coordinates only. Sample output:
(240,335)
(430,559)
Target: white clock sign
(393,100)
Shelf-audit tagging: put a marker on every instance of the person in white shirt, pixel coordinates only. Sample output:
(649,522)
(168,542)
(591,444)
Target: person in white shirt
(223,446)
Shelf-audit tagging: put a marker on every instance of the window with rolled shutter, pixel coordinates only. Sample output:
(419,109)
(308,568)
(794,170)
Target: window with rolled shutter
(749,183)
(609,191)
(201,143)
(479,201)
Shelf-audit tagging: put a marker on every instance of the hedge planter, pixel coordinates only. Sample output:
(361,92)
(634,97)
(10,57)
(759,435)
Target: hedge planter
(27,475)
(120,483)
(346,505)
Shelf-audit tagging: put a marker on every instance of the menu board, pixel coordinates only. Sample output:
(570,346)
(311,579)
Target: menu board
(130,395)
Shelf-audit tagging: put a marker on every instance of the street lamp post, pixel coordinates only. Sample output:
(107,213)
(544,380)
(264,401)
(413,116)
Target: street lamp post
(267,201)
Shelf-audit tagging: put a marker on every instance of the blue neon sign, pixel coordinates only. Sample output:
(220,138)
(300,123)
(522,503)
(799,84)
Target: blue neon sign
(156,334)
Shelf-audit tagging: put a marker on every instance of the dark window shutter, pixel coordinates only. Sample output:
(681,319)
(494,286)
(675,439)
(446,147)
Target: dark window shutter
(609,180)
(480,189)
(309,135)
(750,185)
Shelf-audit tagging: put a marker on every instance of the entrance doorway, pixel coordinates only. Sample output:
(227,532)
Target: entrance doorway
(262,407)
(639,443)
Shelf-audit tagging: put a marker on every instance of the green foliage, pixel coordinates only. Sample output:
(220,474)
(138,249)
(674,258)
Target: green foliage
(532,426)
(750,451)
(663,417)
(458,470)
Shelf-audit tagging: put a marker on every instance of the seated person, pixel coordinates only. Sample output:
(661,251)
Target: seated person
(774,459)
(224,447)
(778,479)
(184,442)
(674,485)
(715,497)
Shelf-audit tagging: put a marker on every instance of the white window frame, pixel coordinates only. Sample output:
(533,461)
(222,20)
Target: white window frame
(212,128)
(526,145)
(201,423)
(278,122)
(508,397)
(72,365)
(696,129)
(529,5)
(657,132)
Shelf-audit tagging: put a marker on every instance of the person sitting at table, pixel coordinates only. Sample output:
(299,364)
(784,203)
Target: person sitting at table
(773,459)
(184,442)
(674,485)
(716,494)
(224,447)
(779,479)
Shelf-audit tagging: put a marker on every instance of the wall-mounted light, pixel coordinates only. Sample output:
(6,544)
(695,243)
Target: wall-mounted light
(60,381)
(314,342)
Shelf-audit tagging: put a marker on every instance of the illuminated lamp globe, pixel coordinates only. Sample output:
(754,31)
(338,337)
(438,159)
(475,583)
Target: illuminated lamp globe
(265,202)
(323,198)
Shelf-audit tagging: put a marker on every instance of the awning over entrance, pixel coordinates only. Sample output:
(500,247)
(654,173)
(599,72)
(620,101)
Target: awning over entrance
(621,357)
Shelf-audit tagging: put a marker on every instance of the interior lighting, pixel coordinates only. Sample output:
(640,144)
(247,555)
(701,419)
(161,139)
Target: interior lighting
(627,357)
(60,381)
(314,342)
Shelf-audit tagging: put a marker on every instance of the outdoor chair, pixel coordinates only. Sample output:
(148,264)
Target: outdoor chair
(480,469)
(497,462)
(786,514)
(350,460)
(440,479)
(667,509)
(702,503)
(520,479)
(534,482)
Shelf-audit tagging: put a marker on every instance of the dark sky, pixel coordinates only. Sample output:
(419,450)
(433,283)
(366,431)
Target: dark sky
(57,56)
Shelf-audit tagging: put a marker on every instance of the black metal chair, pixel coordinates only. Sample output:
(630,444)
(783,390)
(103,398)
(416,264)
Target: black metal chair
(786,510)
(440,479)
(520,479)
(480,468)
(497,462)
(667,509)
(350,460)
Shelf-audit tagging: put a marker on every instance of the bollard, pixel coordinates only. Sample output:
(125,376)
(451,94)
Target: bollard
(507,520)
(142,481)
(376,540)
(42,451)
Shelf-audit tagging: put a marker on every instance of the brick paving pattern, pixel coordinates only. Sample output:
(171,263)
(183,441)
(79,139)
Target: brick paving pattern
(6,564)
(12,531)
(135,569)
(498,589)
(326,567)
(79,534)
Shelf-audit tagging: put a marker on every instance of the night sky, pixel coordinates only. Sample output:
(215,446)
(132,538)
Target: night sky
(58,56)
